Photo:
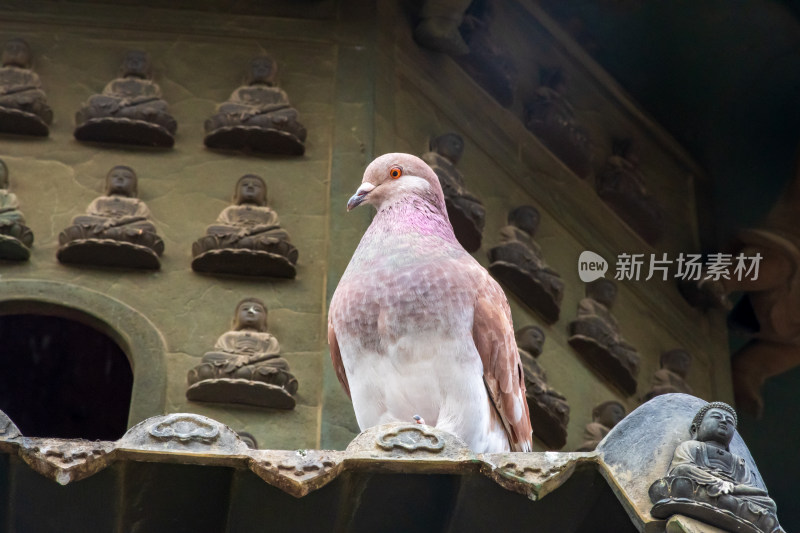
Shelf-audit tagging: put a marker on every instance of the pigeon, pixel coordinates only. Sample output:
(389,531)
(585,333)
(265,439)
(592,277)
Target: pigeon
(417,328)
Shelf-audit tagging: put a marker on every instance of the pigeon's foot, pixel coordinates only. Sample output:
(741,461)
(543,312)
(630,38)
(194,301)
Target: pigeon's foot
(418,419)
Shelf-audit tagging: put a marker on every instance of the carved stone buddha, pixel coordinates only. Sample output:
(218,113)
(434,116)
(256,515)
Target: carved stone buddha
(245,365)
(247,238)
(15,237)
(23,104)
(130,109)
(116,229)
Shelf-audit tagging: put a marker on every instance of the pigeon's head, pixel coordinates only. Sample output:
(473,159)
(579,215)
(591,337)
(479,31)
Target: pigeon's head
(395,177)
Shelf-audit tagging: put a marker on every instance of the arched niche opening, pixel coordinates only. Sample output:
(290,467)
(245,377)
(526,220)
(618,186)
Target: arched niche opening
(107,320)
(62,378)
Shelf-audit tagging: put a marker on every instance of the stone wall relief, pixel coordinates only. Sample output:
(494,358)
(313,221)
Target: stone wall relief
(595,335)
(245,366)
(622,185)
(465,210)
(130,109)
(23,103)
(517,262)
(604,417)
(257,117)
(548,407)
(115,231)
(551,117)
(708,482)
(247,238)
(16,238)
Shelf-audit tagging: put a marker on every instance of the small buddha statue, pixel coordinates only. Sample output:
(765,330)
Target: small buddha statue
(130,109)
(466,212)
(116,229)
(547,406)
(488,62)
(518,263)
(671,377)
(595,335)
(604,417)
(23,104)
(437,28)
(245,365)
(257,116)
(15,237)
(621,185)
(708,482)
(551,117)
(247,238)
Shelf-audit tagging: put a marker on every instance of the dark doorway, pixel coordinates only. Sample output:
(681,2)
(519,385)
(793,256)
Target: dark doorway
(61,378)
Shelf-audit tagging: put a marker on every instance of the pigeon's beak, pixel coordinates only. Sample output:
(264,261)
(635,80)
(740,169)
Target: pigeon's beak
(359,196)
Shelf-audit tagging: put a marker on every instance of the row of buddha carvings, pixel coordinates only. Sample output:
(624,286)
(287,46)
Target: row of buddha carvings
(551,411)
(116,231)
(130,109)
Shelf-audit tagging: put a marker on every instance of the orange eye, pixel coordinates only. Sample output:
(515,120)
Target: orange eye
(396,172)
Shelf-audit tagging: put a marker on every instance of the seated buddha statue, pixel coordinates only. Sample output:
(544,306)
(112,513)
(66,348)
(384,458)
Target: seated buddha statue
(15,237)
(245,365)
(247,237)
(518,263)
(465,211)
(547,406)
(130,109)
(23,104)
(708,482)
(595,335)
(621,184)
(257,116)
(116,229)
(604,417)
(552,118)
(671,377)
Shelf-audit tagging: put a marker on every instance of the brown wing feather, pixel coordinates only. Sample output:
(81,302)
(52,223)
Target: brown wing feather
(336,358)
(493,333)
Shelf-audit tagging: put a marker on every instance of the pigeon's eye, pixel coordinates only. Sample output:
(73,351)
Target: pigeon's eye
(396,172)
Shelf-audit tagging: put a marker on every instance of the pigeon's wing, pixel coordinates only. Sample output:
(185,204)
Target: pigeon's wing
(493,333)
(336,357)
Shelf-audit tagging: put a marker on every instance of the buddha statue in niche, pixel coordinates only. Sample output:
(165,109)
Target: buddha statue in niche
(621,185)
(708,482)
(594,334)
(257,116)
(247,238)
(15,237)
(552,118)
(548,407)
(604,417)
(130,109)
(671,377)
(465,211)
(23,104)
(245,365)
(116,229)
(518,263)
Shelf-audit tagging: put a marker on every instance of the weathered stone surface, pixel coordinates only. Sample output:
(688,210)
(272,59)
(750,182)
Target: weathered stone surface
(8,429)
(639,449)
(409,443)
(183,432)
(683,524)
(297,472)
(66,460)
(532,474)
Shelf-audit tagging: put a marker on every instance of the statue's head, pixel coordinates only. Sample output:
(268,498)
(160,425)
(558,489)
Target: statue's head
(677,361)
(714,422)
(3,175)
(136,64)
(449,145)
(263,69)
(251,313)
(16,53)
(530,339)
(250,189)
(609,413)
(525,217)
(121,180)
(602,290)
